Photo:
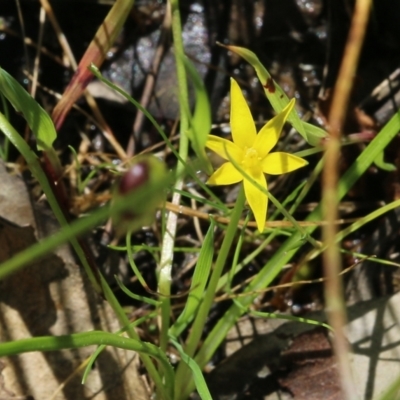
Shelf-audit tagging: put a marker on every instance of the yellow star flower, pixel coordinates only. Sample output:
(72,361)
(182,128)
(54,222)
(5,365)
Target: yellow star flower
(251,151)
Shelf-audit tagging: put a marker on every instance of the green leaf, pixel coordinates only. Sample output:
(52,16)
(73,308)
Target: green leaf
(198,377)
(314,133)
(278,98)
(38,120)
(199,281)
(134,296)
(271,269)
(380,163)
(145,173)
(93,357)
(200,123)
(267,315)
(78,340)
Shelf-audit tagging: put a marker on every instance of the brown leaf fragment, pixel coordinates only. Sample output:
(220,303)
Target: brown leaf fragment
(311,369)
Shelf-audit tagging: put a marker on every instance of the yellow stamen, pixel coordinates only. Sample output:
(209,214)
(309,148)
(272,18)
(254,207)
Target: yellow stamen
(251,158)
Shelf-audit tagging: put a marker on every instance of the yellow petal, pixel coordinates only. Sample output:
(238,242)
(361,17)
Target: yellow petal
(280,163)
(270,132)
(242,125)
(227,174)
(223,146)
(258,201)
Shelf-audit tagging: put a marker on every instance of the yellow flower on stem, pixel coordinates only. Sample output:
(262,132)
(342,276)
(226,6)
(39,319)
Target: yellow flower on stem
(251,152)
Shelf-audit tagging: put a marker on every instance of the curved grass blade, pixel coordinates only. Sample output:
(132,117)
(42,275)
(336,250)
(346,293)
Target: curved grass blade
(94,356)
(198,377)
(380,163)
(199,281)
(134,296)
(200,122)
(78,227)
(77,340)
(38,120)
(216,200)
(37,171)
(4,149)
(278,98)
(283,256)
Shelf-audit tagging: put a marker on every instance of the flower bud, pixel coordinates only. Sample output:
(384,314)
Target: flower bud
(146,177)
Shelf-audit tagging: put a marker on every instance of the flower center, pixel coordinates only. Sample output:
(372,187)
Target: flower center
(251,158)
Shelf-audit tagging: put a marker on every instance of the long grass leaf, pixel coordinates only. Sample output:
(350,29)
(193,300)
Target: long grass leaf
(284,255)
(278,98)
(200,122)
(38,120)
(198,377)
(199,282)
(77,340)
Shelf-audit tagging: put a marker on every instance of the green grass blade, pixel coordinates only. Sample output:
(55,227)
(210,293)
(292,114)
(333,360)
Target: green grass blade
(38,120)
(289,317)
(157,126)
(94,356)
(36,170)
(69,233)
(200,123)
(278,98)
(78,227)
(6,144)
(284,255)
(132,263)
(77,340)
(199,281)
(356,226)
(183,375)
(380,163)
(134,296)
(198,377)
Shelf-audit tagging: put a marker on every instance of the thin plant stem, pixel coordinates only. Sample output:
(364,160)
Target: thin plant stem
(53,343)
(165,267)
(126,324)
(330,200)
(182,374)
(70,233)
(289,248)
(37,171)
(189,170)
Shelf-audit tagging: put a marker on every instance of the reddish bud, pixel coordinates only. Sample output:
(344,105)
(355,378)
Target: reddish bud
(147,178)
(135,177)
